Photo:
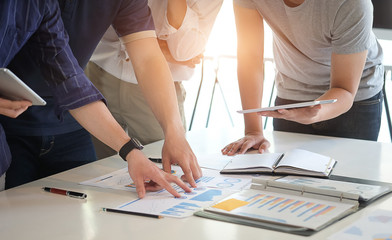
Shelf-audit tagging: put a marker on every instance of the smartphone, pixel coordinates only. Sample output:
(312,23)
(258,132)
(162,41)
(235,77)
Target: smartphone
(12,88)
(288,106)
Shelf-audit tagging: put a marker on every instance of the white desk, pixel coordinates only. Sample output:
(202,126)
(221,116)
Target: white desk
(27,212)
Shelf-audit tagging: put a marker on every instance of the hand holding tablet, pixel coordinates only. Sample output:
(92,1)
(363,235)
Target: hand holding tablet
(288,106)
(12,88)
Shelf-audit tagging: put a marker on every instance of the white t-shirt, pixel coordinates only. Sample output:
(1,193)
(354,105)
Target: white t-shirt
(305,37)
(184,43)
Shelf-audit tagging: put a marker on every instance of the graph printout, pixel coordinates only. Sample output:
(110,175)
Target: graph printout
(375,225)
(366,191)
(281,208)
(164,204)
(121,180)
(211,187)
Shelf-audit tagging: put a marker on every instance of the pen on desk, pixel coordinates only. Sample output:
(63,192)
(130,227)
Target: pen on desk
(100,180)
(131,213)
(65,192)
(156,160)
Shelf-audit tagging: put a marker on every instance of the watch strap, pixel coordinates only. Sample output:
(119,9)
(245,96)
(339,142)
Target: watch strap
(128,147)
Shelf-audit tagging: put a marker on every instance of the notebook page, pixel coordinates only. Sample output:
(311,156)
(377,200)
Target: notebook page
(244,161)
(303,159)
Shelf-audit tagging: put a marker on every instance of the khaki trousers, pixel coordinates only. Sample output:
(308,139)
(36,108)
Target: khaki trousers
(2,182)
(128,106)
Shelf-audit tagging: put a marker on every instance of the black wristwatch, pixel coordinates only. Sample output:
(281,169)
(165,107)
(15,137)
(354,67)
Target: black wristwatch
(129,146)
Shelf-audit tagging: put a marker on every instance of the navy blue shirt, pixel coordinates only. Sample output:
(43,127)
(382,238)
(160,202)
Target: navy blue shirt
(86,22)
(37,25)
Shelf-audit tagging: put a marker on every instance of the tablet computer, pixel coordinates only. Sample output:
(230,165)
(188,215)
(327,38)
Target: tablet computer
(12,88)
(288,106)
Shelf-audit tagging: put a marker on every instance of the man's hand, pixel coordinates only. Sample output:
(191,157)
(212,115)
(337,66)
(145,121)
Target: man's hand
(303,115)
(169,58)
(251,140)
(158,89)
(176,150)
(148,177)
(96,118)
(13,109)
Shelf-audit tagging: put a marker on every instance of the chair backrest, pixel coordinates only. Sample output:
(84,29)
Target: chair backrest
(382,14)
(382,22)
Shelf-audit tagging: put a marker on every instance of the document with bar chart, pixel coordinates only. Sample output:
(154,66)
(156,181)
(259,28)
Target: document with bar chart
(282,209)
(164,204)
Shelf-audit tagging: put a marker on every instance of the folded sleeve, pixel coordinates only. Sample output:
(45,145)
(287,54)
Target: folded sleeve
(66,79)
(134,21)
(245,3)
(351,31)
(190,39)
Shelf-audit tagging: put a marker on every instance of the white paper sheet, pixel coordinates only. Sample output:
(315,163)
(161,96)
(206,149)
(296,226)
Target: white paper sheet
(376,225)
(121,180)
(164,204)
(211,187)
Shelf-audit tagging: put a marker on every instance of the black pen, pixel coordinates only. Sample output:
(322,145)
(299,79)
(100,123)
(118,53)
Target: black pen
(131,213)
(65,192)
(156,160)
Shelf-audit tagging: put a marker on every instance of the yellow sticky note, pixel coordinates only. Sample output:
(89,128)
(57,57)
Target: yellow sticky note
(230,204)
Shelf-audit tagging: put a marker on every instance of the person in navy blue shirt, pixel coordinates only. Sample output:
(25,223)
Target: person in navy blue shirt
(39,24)
(45,138)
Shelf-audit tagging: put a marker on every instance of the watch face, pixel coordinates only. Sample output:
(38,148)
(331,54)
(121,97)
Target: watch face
(137,143)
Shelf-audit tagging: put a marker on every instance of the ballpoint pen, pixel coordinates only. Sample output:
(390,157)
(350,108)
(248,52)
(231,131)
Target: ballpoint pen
(156,160)
(65,192)
(131,213)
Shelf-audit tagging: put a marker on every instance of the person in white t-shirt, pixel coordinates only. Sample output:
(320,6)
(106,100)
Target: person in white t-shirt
(323,49)
(182,28)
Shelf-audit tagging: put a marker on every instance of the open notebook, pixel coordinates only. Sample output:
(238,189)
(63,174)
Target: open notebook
(294,162)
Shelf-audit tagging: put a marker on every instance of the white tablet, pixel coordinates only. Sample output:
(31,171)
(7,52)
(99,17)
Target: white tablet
(12,88)
(288,106)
